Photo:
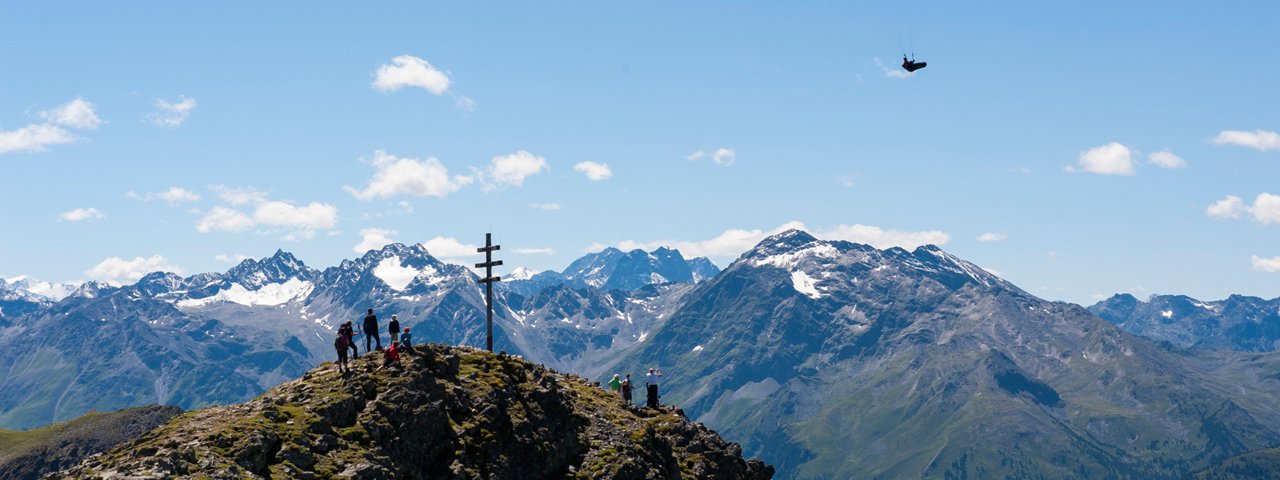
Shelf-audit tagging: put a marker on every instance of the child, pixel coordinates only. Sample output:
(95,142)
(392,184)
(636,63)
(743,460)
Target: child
(406,339)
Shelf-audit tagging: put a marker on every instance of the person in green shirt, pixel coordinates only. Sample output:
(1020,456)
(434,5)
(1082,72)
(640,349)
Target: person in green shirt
(616,383)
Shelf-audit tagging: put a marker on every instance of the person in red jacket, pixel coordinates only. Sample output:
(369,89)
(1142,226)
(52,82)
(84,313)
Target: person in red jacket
(391,356)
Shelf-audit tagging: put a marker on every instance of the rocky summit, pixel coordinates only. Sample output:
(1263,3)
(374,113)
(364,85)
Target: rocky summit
(444,412)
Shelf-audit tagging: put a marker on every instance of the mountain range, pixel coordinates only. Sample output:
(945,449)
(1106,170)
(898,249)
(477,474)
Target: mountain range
(1240,322)
(215,338)
(827,359)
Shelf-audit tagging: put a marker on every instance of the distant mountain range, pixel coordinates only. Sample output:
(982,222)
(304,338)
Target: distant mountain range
(1242,323)
(215,338)
(827,359)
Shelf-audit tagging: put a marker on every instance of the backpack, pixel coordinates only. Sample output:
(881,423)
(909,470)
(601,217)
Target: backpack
(626,386)
(340,343)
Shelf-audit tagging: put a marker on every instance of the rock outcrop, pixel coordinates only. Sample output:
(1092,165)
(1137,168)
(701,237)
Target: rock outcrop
(443,412)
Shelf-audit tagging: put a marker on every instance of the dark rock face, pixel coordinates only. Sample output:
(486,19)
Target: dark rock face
(1241,323)
(66,444)
(448,413)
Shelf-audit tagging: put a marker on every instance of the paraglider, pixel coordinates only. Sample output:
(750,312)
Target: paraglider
(912,65)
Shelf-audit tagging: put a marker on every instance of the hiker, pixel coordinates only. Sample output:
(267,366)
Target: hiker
(406,338)
(371,331)
(391,357)
(346,330)
(340,344)
(626,389)
(394,329)
(652,382)
(615,383)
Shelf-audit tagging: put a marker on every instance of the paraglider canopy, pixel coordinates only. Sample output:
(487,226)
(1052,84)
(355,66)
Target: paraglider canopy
(912,65)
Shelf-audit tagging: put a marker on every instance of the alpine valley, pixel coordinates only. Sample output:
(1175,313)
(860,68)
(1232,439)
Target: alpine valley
(825,359)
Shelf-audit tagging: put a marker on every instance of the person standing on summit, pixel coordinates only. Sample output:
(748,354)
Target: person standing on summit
(652,381)
(393,329)
(371,331)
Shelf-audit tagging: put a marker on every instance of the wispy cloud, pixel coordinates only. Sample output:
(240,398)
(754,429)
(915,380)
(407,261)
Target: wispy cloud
(120,271)
(1261,140)
(594,171)
(992,237)
(1166,159)
(172,195)
(1265,264)
(81,214)
(172,114)
(37,137)
(545,206)
(511,170)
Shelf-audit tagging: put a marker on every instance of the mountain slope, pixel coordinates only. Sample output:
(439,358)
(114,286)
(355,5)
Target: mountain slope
(30,454)
(1238,323)
(837,360)
(116,349)
(450,413)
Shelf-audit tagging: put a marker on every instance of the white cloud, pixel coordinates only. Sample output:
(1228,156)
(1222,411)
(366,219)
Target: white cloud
(233,258)
(172,195)
(410,71)
(992,237)
(845,181)
(408,176)
(734,242)
(511,170)
(313,216)
(882,238)
(239,195)
(1266,208)
(1261,140)
(893,72)
(536,251)
(118,271)
(373,238)
(545,206)
(224,219)
(724,156)
(172,114)
(448,247)
(1166,159)
(594,171)
(393,274)
(75,114)
(1229,207)
(463,102)
(1265,264)
(1110,159)
(33,138)
(82,214)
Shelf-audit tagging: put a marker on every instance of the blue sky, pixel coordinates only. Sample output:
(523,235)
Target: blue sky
(274,116)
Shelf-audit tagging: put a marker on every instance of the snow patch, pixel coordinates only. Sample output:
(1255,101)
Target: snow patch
(269,294)
(805,284)
(1167,314)
(697,348)
(790,260)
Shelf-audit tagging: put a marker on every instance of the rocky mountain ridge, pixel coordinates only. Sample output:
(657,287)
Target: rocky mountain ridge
(446,412)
